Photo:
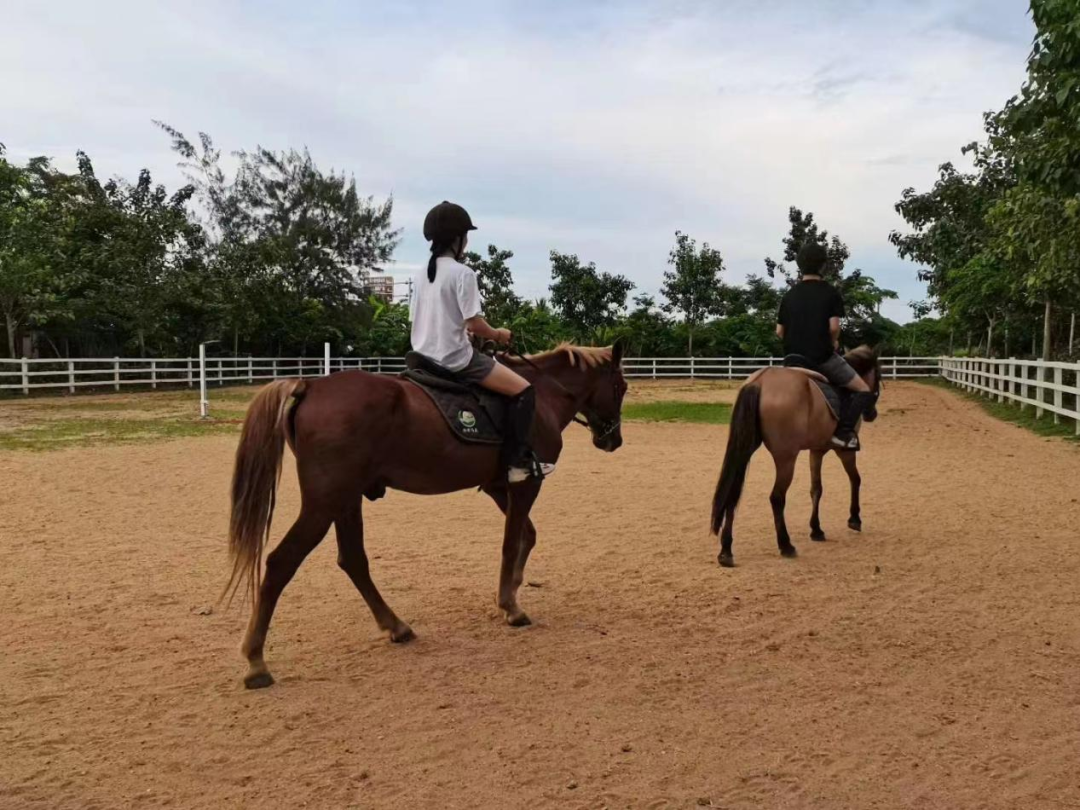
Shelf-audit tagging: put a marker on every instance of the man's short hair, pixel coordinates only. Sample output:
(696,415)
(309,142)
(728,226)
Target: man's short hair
(811,258)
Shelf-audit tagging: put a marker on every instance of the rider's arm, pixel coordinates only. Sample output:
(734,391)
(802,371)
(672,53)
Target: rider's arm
(483,330)
(834,331)
(780,331)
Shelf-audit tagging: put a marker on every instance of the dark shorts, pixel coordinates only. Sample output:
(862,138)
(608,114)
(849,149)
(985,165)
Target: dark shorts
(837,371)
(480,365)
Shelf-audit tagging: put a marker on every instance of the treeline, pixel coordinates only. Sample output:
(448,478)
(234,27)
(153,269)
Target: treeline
(272,258)
(1000,245)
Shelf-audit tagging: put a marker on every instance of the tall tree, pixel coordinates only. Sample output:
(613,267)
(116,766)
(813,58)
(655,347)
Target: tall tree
(693,287)
(586,298)
(862,296)
(496,283)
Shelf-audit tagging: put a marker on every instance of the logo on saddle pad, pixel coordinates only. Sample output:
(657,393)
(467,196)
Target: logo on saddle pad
(467,419)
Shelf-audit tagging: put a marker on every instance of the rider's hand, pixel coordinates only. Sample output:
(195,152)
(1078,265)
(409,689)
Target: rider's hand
(504,336)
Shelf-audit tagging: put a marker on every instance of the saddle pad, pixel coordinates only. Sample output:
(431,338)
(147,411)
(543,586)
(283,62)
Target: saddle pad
(473,414)
(833,397)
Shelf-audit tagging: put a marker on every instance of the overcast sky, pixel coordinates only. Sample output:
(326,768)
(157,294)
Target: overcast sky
(596,128)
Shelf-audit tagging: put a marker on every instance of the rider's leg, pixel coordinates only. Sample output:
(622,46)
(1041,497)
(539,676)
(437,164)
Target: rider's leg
(519,419)
(840,373)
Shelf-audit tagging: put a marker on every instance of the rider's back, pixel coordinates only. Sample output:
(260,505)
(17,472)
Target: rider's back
(439,311)
(805,311)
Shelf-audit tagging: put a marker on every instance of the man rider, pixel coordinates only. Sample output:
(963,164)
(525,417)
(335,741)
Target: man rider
(446,309)
(809,324)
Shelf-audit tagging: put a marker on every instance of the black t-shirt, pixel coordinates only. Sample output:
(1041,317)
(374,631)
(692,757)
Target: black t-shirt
(805,311)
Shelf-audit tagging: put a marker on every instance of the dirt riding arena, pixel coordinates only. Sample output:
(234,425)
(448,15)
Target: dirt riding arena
(932,661)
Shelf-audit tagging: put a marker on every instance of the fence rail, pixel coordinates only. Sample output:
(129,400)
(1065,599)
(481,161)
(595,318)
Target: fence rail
(28,375)
(1046,386)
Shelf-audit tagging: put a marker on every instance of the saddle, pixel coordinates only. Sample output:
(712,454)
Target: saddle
(835,397)
(472,413)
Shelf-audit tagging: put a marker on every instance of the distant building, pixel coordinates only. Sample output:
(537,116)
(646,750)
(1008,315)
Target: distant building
(380,286)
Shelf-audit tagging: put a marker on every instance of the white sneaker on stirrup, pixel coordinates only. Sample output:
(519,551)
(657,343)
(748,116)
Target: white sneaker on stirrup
(518,474)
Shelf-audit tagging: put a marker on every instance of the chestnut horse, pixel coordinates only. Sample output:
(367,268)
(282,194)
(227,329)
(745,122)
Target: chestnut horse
(356,434)
(781,408)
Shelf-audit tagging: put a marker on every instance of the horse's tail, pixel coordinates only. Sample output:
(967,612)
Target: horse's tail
(255,478)
(744,437)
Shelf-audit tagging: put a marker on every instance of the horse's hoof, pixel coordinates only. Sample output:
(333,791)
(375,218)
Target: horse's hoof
(855,525)
(818,536)
(402,633)
(518,619)
(726,560)
(258,680)
(789,552)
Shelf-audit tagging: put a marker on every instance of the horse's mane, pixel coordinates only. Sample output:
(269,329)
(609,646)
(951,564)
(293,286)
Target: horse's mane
(582,356)
(862,359)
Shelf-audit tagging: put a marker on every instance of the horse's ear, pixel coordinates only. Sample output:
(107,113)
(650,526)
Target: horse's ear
(617,352)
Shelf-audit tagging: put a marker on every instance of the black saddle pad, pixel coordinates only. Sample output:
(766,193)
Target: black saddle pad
(473,413)
(834,396)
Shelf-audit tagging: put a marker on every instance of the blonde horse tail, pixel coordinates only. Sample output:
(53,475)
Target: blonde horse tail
(255,479)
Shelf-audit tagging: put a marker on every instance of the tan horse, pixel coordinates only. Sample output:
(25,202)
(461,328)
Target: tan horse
(784,410)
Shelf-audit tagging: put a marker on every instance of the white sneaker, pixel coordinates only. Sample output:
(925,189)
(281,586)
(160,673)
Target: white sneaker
(518,474)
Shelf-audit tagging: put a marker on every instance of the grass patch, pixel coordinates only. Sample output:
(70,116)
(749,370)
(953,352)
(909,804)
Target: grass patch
(709,413)
(59,433)
(1010,412)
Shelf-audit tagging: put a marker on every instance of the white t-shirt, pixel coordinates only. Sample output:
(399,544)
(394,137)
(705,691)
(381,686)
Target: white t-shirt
(439,311)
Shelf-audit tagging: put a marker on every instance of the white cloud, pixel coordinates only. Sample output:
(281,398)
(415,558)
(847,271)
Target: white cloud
(583,127)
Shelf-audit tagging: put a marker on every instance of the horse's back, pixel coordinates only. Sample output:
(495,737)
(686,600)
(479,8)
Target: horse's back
(793,414)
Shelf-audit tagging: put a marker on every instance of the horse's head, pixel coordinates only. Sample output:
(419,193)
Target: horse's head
(603,404)
(867,364)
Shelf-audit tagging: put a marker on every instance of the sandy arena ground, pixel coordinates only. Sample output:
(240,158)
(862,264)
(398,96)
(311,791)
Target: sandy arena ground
(930,662)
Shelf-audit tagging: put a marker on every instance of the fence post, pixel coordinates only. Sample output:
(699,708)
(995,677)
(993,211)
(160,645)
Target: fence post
(251,370)
(190,378)
(116,373)
(1023,385)
(1038,389)
(273,368)
(691,368)
(326,359)
(654,368)
(204,405)
(153,373)
(1012,379)
(999,383)
(71,376)
(1057,393)
(26,376)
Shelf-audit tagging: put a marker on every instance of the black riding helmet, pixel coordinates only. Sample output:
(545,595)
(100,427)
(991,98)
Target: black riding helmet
(444,223)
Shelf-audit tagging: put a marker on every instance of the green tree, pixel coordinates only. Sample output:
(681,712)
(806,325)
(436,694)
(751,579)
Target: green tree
(586,298)
(496,284)
(693,288)
(862,296)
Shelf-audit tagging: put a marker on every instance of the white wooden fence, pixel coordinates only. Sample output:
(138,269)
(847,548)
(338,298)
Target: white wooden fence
(27,375)
(1048,387)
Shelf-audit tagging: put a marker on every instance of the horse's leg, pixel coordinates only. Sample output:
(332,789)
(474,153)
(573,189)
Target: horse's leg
(520,499)
(816,457)
(785,471)
(281,564)
(353,560)
(726,558)
(528,538)
(849,460)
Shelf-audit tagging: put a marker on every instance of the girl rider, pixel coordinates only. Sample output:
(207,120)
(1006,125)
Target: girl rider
(446,309)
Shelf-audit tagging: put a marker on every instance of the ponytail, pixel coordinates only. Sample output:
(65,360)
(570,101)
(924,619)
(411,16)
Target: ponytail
(438,248)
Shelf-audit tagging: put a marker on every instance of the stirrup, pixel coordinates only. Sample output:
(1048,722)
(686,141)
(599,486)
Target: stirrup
(849,444)
(533,469)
